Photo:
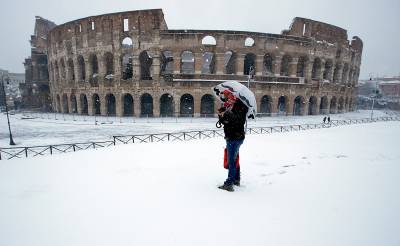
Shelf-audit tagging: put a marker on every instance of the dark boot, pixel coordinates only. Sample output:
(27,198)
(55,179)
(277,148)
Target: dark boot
(227,187)
(236,182)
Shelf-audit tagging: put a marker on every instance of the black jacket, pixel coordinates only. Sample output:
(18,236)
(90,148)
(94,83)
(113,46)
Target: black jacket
(234,120)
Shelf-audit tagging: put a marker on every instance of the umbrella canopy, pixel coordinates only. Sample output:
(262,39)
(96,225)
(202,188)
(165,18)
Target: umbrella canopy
(241,92)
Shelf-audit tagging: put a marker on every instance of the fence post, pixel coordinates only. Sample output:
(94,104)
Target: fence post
(26,152)
(114,140)
(73,147)
(51,149)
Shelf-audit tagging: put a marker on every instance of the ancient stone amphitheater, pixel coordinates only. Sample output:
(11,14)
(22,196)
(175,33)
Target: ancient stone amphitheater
(131,64)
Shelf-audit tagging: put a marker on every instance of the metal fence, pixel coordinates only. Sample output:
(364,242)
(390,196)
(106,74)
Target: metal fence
(25,152)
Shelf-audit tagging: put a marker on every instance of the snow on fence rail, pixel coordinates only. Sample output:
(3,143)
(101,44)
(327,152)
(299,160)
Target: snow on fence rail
(25,152)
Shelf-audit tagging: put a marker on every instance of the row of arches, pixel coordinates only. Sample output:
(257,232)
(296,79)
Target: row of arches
(272,65)
(166,103)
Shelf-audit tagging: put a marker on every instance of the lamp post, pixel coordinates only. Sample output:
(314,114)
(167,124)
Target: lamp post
(5,103)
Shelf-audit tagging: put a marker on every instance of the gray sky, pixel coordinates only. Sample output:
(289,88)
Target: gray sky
(375,22)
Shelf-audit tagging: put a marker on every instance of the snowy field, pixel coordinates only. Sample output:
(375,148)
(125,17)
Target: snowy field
(324,187)
(43,129)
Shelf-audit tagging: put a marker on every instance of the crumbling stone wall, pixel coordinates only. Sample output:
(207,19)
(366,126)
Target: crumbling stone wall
(130,63)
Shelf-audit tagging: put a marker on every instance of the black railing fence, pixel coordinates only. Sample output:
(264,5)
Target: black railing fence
(25,152)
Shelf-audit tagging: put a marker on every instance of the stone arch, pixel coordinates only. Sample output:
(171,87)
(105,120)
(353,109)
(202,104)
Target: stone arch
(58,103)
(285,65)
(282,105)
(312,105)
(301,66)
(127,102)
(266,105)
(84,104)
(209,40)
(207,105)
(229,62)
(111,104)
(187,62)
(249,63)
(323,106)
(249,42)
(166,105)
(268,65)
(109,63)
(146,105)
(146,60)
(81,68)
(96,104)
(167,62)
(94,66)
(208,65)
(74,104)
(127,43)
(333,105)
(316,69)
(298,105)
(327,69)
(65,103)
(187,105)
(127,66)
(71,73)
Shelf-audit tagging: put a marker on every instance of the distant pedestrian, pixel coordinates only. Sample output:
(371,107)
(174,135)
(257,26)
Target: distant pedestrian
(329,119)
(324,120)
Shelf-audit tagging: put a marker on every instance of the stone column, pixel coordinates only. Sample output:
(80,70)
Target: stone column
(239,64)
(137,105)
(277,66)
(322,70)
(318,105)
(119,105)
(220,63)
(102,66)
(88,68)
(259,65)
(198,62)
(156,105)
(89,98)
(117,66)
(136,67)
(293,67)
(78,103)
(177,104)
(155,68)
(197,104)
(103,104)
(308,71)
(289,106)
(177,62)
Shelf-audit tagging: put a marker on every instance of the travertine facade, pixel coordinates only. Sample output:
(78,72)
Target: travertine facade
(130,63)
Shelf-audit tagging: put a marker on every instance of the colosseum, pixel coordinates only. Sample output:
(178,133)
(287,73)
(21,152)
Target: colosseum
(131,64)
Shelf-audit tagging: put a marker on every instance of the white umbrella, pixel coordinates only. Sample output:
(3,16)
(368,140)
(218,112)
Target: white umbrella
(239,91)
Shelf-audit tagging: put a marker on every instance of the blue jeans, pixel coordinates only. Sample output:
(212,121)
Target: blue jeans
(232,147)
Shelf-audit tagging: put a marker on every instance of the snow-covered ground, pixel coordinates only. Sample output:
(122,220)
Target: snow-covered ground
(336,186)
(45,129)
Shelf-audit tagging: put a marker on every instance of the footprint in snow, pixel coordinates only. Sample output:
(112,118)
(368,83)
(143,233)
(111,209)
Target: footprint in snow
(341,156)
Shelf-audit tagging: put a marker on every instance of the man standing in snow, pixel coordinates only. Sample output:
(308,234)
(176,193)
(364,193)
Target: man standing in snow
(233,116)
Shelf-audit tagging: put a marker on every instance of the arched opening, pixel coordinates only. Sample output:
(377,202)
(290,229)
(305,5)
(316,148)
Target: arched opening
(207,106)
(285,65)
(96,104)
(65,103)
(209,40)
(166,105)
(81,68)
(268,65)
(128,105)
(229,62)
(301,67)
(62,73)
(74,105)
(341,105)
(109,62)
(127,43)
(167,62)
(94,67)
(127,66)
(312,105)
(298,105)
(323,107)
(145,65)
(282,107)
(249,64)
(316,69)
(71,74)
(266,105)
(146,105)
(187,105)
(187,62)
(111,106)
(84,104)
(58,104)
(333,105)
(327,70)
(249,42)
(208,66)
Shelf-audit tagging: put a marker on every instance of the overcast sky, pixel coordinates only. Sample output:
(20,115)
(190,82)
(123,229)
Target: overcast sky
(377,23)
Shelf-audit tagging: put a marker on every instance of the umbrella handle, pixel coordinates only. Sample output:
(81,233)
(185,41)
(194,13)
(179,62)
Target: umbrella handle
(218,124)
